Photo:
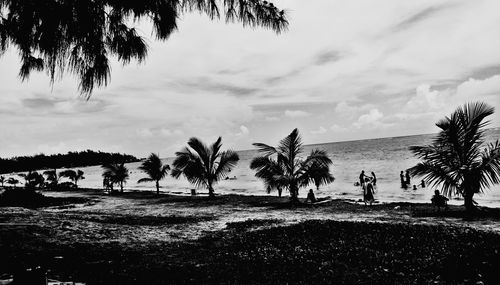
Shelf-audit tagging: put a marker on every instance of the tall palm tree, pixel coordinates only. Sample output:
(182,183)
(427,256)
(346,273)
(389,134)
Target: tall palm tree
(282,167)
(73,175)
(80,36)
(116,173)
(155,169)
(204,165)
(456,159)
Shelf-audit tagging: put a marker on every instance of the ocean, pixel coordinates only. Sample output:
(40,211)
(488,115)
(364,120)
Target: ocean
(384,156)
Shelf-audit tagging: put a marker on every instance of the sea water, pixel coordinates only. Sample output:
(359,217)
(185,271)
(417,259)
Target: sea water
(386,157)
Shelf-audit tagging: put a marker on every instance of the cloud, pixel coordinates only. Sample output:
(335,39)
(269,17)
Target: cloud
(319,131)
(145,133)
(419,17)
(372,118)
(169,133)
(326,57)
(336,128)
(243,131)
(272,119)
(296,114)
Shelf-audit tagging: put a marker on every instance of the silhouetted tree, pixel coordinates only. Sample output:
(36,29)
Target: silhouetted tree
(52,178)
(72,175)
(12,181)
(79,36)
(68,160)
(203,165)
(319,174)
(116,173)
(283,167)
(2,180)
(155,169)
(456,159)
(32,179)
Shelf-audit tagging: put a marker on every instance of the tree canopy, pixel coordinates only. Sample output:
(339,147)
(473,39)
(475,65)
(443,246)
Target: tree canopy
(79,37)
(459,160)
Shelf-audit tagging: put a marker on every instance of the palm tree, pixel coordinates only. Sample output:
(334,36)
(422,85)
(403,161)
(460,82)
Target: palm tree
(73,175)
(155,169)
(203,165)
(52,177)
(116,173)
(12,181)
(319,174)
(32,179)
(456,159)
(80,36)
(2,180)
(282,167)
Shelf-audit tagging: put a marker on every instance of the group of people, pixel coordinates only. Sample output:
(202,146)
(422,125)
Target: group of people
(368,184)
(406,180)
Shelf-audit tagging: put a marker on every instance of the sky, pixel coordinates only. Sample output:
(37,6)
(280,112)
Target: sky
(344,70)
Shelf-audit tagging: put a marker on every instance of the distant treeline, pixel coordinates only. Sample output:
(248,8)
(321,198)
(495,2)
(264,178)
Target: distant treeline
(69,160)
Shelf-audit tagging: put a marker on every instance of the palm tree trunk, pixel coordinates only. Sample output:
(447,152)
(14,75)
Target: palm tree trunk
(211,193)
(157,187)
(279,192)
(121,186)
(294,192)
(469,202)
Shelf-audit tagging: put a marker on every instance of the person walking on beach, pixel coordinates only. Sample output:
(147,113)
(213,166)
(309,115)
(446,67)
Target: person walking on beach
(368,191)
(403,181)
(408,181)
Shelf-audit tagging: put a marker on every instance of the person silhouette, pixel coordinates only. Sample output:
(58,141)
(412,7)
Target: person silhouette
(374,179)
(407,176)
(310,196)
(368,192)
(362,177)
(403,181)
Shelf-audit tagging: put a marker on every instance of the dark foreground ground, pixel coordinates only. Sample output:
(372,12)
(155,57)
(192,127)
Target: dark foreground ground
(118,240)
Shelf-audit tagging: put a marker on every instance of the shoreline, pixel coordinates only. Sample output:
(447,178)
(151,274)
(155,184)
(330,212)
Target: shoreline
(104,231)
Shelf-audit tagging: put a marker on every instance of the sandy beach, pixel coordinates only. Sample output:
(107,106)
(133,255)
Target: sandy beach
(142,238)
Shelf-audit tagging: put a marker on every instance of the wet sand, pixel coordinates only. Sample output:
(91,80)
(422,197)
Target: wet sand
(135,236)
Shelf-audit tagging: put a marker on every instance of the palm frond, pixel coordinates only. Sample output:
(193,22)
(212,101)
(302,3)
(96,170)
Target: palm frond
(228,160)
(265,149)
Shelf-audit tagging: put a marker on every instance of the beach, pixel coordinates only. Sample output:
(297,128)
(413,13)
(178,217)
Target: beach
(140,238)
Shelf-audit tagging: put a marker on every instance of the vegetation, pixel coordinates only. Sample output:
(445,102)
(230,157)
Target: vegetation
(52,178)
(203,165)
(282,167)
(79,36)
(319,174)
(33,180)
(12,181)
(116,174)
(458,159)
(69,160)
(73,175)
(155,170)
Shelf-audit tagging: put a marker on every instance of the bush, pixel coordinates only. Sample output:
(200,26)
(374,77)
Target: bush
(21,197)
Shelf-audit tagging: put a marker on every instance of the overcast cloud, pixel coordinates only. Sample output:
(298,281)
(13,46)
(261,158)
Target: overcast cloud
(345,70)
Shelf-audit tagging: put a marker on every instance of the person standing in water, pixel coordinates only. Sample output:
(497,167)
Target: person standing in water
(362,178)
(374,179)
(408,180)
(368,192)
(403,181)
